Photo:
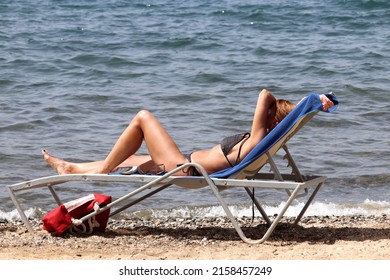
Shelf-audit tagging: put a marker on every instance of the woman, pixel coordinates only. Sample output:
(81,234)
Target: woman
(164,152)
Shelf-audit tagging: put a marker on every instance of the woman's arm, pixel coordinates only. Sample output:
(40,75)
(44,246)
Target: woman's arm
(265,109)
(326,102)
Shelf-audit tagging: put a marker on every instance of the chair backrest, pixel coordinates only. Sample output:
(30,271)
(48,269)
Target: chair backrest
(274,140)
(257,164)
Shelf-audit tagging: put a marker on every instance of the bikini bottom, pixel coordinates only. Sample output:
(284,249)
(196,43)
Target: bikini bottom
(191,171)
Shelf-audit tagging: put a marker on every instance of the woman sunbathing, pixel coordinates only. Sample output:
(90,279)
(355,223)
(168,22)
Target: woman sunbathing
(164,153)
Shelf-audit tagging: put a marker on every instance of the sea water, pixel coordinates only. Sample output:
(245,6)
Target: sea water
(74,73)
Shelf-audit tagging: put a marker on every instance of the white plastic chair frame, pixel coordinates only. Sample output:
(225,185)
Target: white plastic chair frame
(294,184)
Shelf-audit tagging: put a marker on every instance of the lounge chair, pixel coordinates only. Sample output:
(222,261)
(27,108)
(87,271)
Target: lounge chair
(245,175)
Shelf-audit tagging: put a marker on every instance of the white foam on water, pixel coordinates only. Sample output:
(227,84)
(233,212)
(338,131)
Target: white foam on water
(366,208)
(14,214)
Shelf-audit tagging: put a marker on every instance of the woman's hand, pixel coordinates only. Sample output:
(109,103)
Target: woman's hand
(326,102)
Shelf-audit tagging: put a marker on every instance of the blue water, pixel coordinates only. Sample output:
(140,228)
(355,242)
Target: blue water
(73,73)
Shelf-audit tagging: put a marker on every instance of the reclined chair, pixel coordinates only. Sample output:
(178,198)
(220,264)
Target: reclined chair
(245,175)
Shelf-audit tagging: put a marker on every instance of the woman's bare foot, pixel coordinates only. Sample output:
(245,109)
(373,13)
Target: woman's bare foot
(59,165)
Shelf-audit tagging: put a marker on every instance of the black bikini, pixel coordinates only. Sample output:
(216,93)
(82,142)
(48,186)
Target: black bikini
(226,145)
(229,142)
(191,171)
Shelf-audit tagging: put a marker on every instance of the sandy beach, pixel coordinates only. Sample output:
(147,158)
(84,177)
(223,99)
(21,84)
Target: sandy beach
(315,238)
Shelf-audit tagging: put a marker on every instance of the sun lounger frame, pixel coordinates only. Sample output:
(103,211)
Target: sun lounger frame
(295,185)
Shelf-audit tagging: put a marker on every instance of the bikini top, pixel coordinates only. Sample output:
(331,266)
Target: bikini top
(229,142)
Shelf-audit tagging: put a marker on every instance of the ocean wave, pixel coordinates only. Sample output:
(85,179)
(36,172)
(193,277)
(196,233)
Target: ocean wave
(14,214)
(366,208)
(22,126)
(319,209)
(369,4)
(363,181)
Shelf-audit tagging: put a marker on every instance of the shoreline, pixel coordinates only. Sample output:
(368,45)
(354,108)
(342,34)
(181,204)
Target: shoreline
(315,238)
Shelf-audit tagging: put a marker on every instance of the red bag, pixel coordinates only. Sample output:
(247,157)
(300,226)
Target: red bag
(66,216)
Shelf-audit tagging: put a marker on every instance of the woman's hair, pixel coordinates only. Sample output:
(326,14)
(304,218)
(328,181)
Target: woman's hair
(283,107)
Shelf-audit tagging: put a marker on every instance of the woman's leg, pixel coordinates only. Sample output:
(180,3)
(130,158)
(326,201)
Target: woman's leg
(144,126)
(66,167)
